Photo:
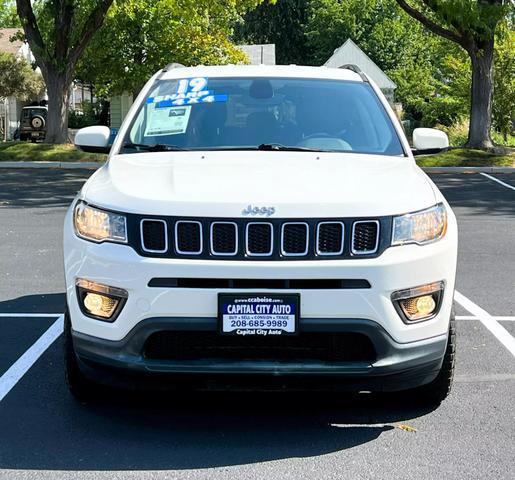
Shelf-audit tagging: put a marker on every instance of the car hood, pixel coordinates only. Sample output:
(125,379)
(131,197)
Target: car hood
(295,184)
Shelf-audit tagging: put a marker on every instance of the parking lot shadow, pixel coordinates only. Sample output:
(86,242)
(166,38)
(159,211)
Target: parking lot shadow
(476,194)
(28,188)
(38,303)
(43,428)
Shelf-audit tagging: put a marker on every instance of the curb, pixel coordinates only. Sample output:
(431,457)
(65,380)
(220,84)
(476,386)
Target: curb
(95,165)
(469,169)
(55,165)
(58,165)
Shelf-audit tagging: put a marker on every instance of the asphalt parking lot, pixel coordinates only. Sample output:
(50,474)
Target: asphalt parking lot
(44,433)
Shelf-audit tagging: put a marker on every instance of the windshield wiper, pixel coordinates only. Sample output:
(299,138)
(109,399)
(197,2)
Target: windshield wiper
(157,147)
(286,148)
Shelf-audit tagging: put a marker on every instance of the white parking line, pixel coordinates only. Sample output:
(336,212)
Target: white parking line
(496,318)
(10,378)
(488,321)
(30,315)
(498,181)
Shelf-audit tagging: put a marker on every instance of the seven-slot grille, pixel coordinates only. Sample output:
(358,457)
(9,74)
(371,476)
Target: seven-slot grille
(273,240)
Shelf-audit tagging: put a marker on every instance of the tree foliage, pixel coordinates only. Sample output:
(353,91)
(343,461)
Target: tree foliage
(279,22)
(18,79)
(140,36)
(504,87)
(8,16)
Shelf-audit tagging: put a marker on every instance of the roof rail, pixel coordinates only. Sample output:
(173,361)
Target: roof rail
(355,69)
(171,66)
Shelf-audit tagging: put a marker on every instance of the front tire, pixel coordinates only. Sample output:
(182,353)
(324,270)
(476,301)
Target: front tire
(439,389)
(80,387)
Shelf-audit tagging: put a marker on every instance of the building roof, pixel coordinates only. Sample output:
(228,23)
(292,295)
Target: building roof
(349,52)
(260,54)
(6,45)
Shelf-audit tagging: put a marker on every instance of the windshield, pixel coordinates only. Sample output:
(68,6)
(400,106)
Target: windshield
(262,113)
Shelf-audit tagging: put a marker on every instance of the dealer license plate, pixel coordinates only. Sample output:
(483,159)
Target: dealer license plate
(258,314)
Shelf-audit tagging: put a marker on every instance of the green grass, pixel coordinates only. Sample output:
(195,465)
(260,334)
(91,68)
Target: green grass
(38,152)
(462,157)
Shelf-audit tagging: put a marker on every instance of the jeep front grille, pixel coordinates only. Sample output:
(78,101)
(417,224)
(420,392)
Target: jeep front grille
(242,239)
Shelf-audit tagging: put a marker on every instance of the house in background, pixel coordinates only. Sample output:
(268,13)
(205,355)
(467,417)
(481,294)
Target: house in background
(260,54)
(120,104)
(350,53)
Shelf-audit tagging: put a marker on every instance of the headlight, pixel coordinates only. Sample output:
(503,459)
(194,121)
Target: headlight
(421,227)
(98,225)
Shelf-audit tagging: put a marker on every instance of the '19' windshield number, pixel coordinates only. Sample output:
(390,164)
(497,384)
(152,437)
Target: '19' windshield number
(192,85)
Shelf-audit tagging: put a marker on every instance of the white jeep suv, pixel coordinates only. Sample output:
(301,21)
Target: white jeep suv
(265,227)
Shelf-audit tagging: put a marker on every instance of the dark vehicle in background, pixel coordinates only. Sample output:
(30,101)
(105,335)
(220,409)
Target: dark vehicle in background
(33,123)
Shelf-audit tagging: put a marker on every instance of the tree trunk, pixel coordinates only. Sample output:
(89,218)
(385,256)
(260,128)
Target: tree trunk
(58,89)
(481,96)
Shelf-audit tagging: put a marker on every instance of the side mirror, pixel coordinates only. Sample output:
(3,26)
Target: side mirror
(93,139)
(429,140)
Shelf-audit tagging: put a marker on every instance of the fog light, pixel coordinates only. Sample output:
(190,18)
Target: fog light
(419,303)
(425,305)
(100,305)
(100,301)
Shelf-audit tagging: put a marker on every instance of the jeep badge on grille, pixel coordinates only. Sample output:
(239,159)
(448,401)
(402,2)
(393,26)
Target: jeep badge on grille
(250,210)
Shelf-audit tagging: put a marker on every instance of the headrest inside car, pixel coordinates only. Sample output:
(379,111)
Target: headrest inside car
(261,88)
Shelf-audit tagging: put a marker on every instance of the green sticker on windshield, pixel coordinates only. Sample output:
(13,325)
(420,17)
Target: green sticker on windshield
(166,121)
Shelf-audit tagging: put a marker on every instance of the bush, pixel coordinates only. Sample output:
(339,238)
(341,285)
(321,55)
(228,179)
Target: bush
(458,133)
(91,114)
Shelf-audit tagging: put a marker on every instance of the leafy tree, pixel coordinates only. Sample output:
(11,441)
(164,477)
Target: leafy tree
(8,15)
(472,25)
(18,79)
(280,22)
(58,32)
(504,85)
(141,36)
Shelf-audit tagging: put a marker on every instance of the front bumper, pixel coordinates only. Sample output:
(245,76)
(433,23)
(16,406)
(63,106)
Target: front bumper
(398,366)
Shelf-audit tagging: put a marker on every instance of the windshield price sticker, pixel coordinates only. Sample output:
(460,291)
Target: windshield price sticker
(167,121)
(258,314)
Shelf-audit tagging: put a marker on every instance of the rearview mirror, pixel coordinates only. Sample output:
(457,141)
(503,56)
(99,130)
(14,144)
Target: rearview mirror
(93,139)
(429,140)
